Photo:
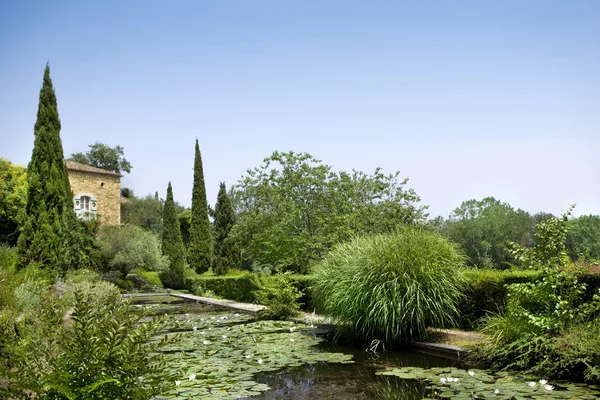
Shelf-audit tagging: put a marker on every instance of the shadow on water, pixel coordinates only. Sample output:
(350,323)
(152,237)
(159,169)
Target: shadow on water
(349,381)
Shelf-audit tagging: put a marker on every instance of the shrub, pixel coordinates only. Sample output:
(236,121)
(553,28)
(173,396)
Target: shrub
(103,353)
(232,287)
(152,278)
(128,247)
(391,286)
(279,295)
(8,258)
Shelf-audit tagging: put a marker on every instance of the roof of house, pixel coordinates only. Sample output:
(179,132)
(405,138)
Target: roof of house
(75,166)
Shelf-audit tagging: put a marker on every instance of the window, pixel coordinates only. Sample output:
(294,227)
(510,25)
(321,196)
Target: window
(85,203)
(86,206)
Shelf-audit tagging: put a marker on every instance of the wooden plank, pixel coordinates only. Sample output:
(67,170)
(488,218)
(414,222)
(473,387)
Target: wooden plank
(229,304)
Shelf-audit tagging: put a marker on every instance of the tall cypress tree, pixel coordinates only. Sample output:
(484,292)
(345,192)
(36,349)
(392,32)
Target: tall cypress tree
(225,252)
(172,244)
(50,232)
(199,250)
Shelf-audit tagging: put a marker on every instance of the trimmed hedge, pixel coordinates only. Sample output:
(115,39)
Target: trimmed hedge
(485,293)
(240,287)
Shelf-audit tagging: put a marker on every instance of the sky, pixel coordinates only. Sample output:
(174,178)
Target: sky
(467,99)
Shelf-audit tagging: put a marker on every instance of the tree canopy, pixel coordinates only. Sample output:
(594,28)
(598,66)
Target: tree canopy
(104,157)
(293,208)
(484,228)
(13,197)
(226,255)
(200,246)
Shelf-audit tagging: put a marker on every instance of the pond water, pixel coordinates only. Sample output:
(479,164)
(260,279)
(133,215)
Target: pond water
(225,355)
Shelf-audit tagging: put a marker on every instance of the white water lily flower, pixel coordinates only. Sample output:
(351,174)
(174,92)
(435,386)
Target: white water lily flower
(472,373)
(192,377)
(236,314)
(443,380)
(248,356)
(177,383)
(531,384)
(292,329)
(224,317)
(496,391)
(260,361)
(292,340)
(543,381)
(224,336)
(548,387)
(195,328)
(206,342)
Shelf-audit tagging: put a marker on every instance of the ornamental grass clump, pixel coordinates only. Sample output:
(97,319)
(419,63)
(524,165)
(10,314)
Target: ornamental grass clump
(391,286)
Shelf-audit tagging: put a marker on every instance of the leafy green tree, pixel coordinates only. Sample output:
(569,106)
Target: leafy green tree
(172,244)
(13,198)
(104,157)
(200,247)
(293,208)
(484,228)
(145,212)
(226,255)
(583,239)
(50,231)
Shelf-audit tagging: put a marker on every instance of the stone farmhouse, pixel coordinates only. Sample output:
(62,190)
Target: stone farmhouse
(96,193)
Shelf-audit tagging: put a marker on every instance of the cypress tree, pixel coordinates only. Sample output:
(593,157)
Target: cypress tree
(172,244)
(225,255)
(199,250)
(50,233)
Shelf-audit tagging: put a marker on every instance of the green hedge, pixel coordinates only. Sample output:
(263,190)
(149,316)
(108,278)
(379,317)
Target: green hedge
(240,287)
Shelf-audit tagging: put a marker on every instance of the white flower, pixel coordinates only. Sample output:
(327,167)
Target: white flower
(224,317)
(206,342)
(443,380)
(192,377)
(472,373)
(237,315)
(531,384)
(548,387)
(224,336)
(260,361)
(247,356)
(292,329)
(496,391)
(177,383)
(292,340)
(543,381)
(195,328)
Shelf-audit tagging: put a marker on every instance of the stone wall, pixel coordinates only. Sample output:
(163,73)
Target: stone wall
(105,188)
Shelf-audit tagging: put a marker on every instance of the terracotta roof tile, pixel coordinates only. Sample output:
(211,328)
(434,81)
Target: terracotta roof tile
(75,166)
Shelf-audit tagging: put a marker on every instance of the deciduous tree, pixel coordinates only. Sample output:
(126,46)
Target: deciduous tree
(105,157)
(13,198)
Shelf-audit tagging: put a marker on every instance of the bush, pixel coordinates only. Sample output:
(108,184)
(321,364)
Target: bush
(129,247)
(485,293)
(232,287)
(152,278)
(8,258)
(278,294)
(391,286)
(104,351)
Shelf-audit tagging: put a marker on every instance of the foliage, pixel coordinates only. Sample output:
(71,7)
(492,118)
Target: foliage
(539,313)
(278,294)
(129,247)
(145,212)
(50,233)
(484,228)
(232,287)
(200,247)
(454,383)
(222,352)
(485,293)
(172,244)
(293,208)
(13,198)
(104,157)
(185,221)
(152,278)
(225,252)
(8,258)
(102,352)
(391,286)
(583,238)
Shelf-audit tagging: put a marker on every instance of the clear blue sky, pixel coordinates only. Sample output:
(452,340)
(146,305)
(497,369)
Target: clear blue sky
(466,98)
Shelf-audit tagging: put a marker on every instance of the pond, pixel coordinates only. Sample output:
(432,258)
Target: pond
(226,355)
